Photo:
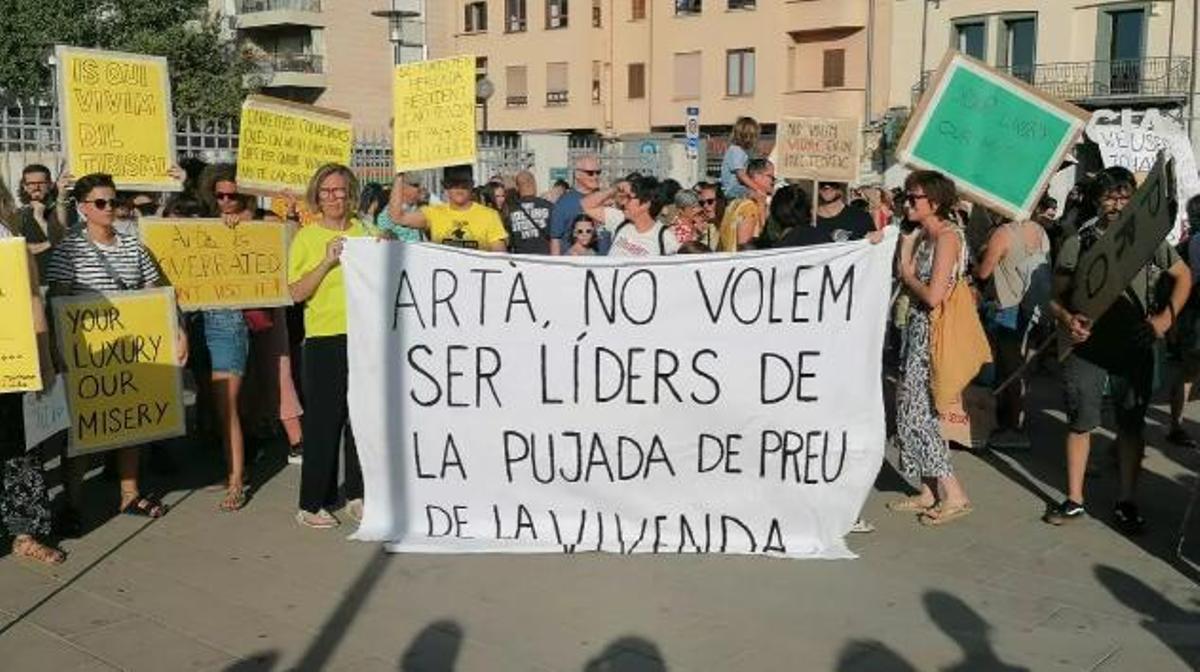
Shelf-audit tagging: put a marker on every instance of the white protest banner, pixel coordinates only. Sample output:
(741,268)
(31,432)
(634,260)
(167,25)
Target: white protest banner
(692,404)
(1187,179)
(1128,138)
(46,412)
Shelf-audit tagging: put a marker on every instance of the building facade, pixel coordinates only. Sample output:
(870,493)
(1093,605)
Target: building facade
(1099,54)
(618,67)
(334,53)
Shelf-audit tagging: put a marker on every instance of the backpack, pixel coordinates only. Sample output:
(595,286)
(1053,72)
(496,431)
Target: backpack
(662,235)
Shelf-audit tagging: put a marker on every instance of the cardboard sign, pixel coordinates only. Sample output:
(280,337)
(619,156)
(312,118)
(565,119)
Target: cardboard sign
(19,364)
(116,116)
(46,413)
(815,148)
(212,265)
(1107,268)
(123,385)
(434,108)
(281,144)
(1187,176)
(669,405)
(998,138)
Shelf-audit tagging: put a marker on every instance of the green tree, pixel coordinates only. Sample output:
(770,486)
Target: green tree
(206,70)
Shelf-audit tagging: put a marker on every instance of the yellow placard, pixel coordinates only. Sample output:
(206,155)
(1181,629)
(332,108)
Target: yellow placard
(434,113)
(281,144)
(211,265)
(19,364)
(116,116)
(123,384)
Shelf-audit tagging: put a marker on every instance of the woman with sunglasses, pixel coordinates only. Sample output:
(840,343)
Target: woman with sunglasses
(584,242)
(315,274)
(98,259)
(932,261)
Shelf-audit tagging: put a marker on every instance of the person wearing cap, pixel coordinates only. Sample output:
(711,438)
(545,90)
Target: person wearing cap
(460,221)
(406,193)
(837,221)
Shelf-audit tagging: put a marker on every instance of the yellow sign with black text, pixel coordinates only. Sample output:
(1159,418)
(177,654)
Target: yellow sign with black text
(19,368)
(281,144)
(434,108)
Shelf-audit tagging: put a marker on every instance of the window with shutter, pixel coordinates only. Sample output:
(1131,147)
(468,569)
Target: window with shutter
(637,81)
(835,69)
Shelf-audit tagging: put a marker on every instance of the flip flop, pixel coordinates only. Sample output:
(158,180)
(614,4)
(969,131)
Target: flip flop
(941,515)
(145,507)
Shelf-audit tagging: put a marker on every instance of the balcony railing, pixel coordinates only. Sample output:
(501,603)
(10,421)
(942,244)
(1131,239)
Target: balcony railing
(1096,81)
(516,101)
(311,64)
(251,6)
(555,98)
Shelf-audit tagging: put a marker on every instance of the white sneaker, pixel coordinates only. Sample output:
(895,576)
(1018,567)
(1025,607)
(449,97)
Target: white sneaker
(861,526)
(321,520)
(354,508)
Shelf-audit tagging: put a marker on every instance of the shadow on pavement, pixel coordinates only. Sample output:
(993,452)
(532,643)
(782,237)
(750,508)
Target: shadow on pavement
(871,655)
(969,631)
(1176,628)
(628,654)
(434,649)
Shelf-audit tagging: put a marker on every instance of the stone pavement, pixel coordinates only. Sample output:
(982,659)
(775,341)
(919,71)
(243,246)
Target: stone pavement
(201,590)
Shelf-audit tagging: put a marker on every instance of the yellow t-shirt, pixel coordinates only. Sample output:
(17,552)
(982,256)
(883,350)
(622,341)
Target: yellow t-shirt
(325,310)
(742,209)
(477,227)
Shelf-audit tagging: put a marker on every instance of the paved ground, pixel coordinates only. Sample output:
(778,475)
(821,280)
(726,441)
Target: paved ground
(200,590)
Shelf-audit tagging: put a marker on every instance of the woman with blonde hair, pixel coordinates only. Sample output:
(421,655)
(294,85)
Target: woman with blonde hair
(315,278)
(735,182)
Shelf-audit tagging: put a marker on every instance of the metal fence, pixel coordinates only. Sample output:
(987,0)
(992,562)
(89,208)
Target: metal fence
(620,157)
(31,134)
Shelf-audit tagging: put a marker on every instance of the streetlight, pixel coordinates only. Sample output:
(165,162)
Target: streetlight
(400,14)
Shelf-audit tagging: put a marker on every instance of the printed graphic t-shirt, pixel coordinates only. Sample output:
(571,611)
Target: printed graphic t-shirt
(529,225)
(325,310)
(477,227)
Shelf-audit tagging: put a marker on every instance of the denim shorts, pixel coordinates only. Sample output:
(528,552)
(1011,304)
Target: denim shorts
(228,340)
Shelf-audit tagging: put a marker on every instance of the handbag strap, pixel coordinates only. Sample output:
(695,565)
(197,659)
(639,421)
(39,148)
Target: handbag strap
(108,267)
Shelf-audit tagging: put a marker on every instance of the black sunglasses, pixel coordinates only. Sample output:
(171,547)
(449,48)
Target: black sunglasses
(708,201)
(103,203)
(146,208)
(226,196)
(593,173)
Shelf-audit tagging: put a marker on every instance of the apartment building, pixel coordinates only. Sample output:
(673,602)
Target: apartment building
(335,53)
(634,66)
(1098,54)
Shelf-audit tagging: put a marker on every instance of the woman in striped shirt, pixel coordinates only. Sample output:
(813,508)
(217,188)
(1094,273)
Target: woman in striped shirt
(98,259)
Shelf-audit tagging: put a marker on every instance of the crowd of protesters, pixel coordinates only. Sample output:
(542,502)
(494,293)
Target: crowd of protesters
(253,368)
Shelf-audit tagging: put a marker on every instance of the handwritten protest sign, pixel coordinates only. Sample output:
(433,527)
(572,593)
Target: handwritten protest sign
(123,384)
(1108,266)
(434,108)
(212,265)
(19,364)
(720,405)
(815,148)
(998,138)
(1128,138)
(46,413)
(116,116)
(1187,176)
(281,144)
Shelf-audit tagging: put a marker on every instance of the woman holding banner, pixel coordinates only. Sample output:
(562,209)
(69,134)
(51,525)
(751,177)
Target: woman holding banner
(24,505)
(98,259)
(315,277)
(930,266)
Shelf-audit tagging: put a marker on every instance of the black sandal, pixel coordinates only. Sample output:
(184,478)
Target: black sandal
(145,507)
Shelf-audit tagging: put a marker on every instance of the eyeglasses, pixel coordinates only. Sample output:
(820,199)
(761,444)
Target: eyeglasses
(103,203)
(708,201)
(593,173)
(226,195)
(912,198)
(335,192)
(36,183)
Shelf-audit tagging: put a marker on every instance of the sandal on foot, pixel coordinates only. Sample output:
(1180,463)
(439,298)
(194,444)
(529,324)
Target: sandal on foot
(942,514)
(145,507)
(909,505)
(235,499)
(26,546)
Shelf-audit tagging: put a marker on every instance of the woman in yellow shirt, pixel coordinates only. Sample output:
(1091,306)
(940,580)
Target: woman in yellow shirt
(316,279)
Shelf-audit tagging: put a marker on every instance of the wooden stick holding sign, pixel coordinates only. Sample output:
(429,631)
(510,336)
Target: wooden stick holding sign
(998,138)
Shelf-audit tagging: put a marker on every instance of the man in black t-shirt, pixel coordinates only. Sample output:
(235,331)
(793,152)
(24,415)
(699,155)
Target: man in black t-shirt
(837,220)
(528,221)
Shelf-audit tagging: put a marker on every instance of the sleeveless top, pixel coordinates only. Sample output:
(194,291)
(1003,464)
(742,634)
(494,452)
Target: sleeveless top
(1014,274)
